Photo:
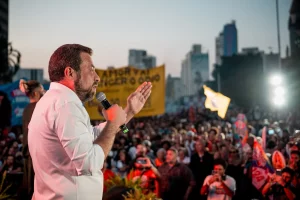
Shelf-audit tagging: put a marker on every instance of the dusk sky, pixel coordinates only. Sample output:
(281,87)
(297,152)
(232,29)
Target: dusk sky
(165,28)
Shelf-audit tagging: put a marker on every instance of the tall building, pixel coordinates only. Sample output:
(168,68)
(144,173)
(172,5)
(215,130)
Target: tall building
(4,18)
(3,36)
(294,28)
(242,78)
(251,50)
(230,38)
(149,61)
(30,74)
(219,48)
(194,70)
(140,59)
(173,88)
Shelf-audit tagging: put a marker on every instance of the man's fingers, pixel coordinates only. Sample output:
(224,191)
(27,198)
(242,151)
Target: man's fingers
(139,89)
(146,89)
(146,96)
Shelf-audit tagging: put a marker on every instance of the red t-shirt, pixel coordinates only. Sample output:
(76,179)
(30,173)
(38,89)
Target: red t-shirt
(158,163)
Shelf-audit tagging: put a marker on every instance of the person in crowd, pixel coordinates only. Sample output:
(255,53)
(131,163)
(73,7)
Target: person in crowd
(141,151)
(177,140)
(219,185)
(212,138)
(280,186)
(123,142)
(147,173)
(122,164)
(160,157)
(214,148)
(183,156)
(234,169)
(294,164)
(132,149)
(190,143)
(10,166)
(201,165)
(149,151)
(247,188)
(224,151)
(34,91)
(176,179)
(166,144)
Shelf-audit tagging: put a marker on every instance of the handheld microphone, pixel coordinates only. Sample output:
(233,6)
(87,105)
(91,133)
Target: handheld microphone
(105,103)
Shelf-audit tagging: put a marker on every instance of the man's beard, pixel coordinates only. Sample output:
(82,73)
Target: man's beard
(84,94)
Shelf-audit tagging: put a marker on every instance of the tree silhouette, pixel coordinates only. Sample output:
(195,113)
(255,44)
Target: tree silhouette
(9,61)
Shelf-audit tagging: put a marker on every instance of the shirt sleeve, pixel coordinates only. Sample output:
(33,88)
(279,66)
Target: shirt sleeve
(206,180)
(231,184)
(77,140)
(98,129)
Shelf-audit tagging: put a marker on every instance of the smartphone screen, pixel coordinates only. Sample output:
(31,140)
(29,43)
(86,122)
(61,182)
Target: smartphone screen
(141,161)
(271,132)
(214,172)
(278,172)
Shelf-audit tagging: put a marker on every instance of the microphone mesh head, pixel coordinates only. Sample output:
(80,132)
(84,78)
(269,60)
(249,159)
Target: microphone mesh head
(100,96)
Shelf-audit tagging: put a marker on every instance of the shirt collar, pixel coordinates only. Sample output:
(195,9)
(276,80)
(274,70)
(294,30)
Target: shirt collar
(67,91)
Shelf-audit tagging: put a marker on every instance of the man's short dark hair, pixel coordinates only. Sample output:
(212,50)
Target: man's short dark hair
(214,129)
(289,171)
(67,55)
(220,162)
(271,144)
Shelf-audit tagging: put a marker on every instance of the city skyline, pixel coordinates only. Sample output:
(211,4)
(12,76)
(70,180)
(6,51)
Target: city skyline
(167,29)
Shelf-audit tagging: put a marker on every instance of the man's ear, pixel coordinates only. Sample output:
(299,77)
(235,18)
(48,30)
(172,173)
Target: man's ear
(69,73)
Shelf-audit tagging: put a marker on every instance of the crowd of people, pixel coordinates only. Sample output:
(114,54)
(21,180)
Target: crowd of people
(206,159)
(177,157)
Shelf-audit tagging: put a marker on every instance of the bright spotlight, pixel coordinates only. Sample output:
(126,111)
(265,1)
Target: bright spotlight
(276,80)
(278,101)
(279,91)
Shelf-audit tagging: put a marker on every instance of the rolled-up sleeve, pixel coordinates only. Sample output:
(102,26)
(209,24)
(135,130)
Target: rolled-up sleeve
(98,129)
(77,139)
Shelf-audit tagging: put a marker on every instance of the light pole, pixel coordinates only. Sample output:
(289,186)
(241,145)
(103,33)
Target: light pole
(278,35)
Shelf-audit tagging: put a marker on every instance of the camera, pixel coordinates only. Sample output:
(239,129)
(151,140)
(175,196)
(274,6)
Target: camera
(141,161)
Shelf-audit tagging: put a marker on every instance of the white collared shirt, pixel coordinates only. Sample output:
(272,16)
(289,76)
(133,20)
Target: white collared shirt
(216,190)
(67,164)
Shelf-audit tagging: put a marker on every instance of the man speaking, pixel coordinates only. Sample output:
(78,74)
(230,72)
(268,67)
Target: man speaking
(67,152)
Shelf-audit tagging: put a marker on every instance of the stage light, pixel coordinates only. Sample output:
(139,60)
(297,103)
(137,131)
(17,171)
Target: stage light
(278,91)
(278,101)
(276,80)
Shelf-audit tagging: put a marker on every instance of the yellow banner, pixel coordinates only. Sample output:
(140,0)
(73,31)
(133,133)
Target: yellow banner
(118,84)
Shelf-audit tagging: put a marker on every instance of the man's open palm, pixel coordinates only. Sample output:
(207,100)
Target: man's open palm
(137,99)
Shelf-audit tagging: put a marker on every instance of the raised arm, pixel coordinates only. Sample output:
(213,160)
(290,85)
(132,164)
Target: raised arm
(135,103)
